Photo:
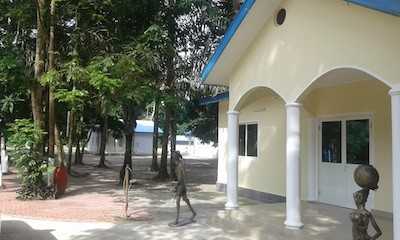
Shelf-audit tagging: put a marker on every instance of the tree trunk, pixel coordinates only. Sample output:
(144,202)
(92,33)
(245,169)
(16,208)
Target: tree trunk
(84,145)
(129,138)
(130,125)
(163,171)
(156,120)
(51,67)
(40,57)
(103,142)
(71,136)
(82,154)
(170,80)
(60,147)
(172,163)
(78,137)
(78,151)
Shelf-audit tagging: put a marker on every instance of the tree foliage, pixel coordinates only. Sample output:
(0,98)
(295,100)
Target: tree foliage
(24,137)
(103,61)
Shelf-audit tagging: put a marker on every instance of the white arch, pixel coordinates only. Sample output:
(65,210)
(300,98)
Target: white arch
(357,68)
(250,90)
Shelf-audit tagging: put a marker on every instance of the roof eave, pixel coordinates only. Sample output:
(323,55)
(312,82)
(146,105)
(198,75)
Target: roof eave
(245,27)
(240,34)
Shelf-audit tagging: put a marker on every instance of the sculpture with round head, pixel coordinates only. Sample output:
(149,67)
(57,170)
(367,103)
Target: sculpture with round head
(367,177)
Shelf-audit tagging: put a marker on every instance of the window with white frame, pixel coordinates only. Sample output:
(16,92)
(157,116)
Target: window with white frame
(248,139)
(346,141)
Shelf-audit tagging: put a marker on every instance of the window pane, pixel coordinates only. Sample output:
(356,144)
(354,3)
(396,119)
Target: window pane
(242,140)
(252,140)
(357,137)
(332,142)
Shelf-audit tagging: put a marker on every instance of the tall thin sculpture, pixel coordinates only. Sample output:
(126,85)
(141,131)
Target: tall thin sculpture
(180,189)
(367,177)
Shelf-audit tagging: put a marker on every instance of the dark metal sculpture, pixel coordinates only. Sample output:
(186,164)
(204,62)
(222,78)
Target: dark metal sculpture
(181,191)
(126,186)
(367,177)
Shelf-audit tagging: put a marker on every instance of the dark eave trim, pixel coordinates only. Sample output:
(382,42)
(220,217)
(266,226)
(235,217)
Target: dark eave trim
(215,99)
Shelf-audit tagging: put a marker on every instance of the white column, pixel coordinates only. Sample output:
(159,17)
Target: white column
(4,156)
(2,160)
(233,155)
(396,162)
(293,203)
(1,176)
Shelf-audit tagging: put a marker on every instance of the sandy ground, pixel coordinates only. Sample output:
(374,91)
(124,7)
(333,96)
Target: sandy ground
(97,196)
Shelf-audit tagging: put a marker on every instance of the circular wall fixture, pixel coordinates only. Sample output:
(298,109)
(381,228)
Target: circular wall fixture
(281,16)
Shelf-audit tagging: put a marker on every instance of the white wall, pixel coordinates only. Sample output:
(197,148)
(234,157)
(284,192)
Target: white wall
(289,58)
(266,173)
(318,36)
(143,144)
(369,97)
(222,142)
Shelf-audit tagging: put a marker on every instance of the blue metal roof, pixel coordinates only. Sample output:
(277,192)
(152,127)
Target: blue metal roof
(233,26)
(145,126)
(388,6)
(218,98)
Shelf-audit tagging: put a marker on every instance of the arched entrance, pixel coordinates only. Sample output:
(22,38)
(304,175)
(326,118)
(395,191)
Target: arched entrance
(349,115)
(256,146)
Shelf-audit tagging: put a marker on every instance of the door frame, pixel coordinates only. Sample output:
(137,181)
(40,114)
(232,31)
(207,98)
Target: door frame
(318,143)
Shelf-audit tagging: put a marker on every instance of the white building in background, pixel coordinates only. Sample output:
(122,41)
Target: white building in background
(190,146)
(143,140)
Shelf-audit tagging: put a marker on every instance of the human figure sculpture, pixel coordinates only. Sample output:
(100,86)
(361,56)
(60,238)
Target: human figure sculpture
(367,178)
(180,189)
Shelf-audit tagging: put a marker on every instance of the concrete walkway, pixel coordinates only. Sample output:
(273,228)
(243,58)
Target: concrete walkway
(153,207)
(252,221)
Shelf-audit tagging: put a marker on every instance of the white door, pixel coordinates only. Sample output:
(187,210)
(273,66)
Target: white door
(344,144)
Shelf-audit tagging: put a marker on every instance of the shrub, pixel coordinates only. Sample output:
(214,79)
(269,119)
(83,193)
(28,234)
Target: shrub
(26,141)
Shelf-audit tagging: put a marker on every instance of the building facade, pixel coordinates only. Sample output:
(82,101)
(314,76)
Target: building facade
(314,91)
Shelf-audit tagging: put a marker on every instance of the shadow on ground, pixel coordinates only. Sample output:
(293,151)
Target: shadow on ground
(251,221)
(18,230)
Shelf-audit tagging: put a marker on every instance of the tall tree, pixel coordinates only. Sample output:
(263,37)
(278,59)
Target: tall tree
(106,85)
(133,96)
(193,27)
(40,60)
(17,19)
(170,25)
(51,66)
(156,121)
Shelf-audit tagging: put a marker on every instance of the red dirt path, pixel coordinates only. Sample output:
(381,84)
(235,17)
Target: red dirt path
(96,197)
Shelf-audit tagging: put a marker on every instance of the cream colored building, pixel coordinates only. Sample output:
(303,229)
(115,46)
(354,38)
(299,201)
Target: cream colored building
(314,91)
